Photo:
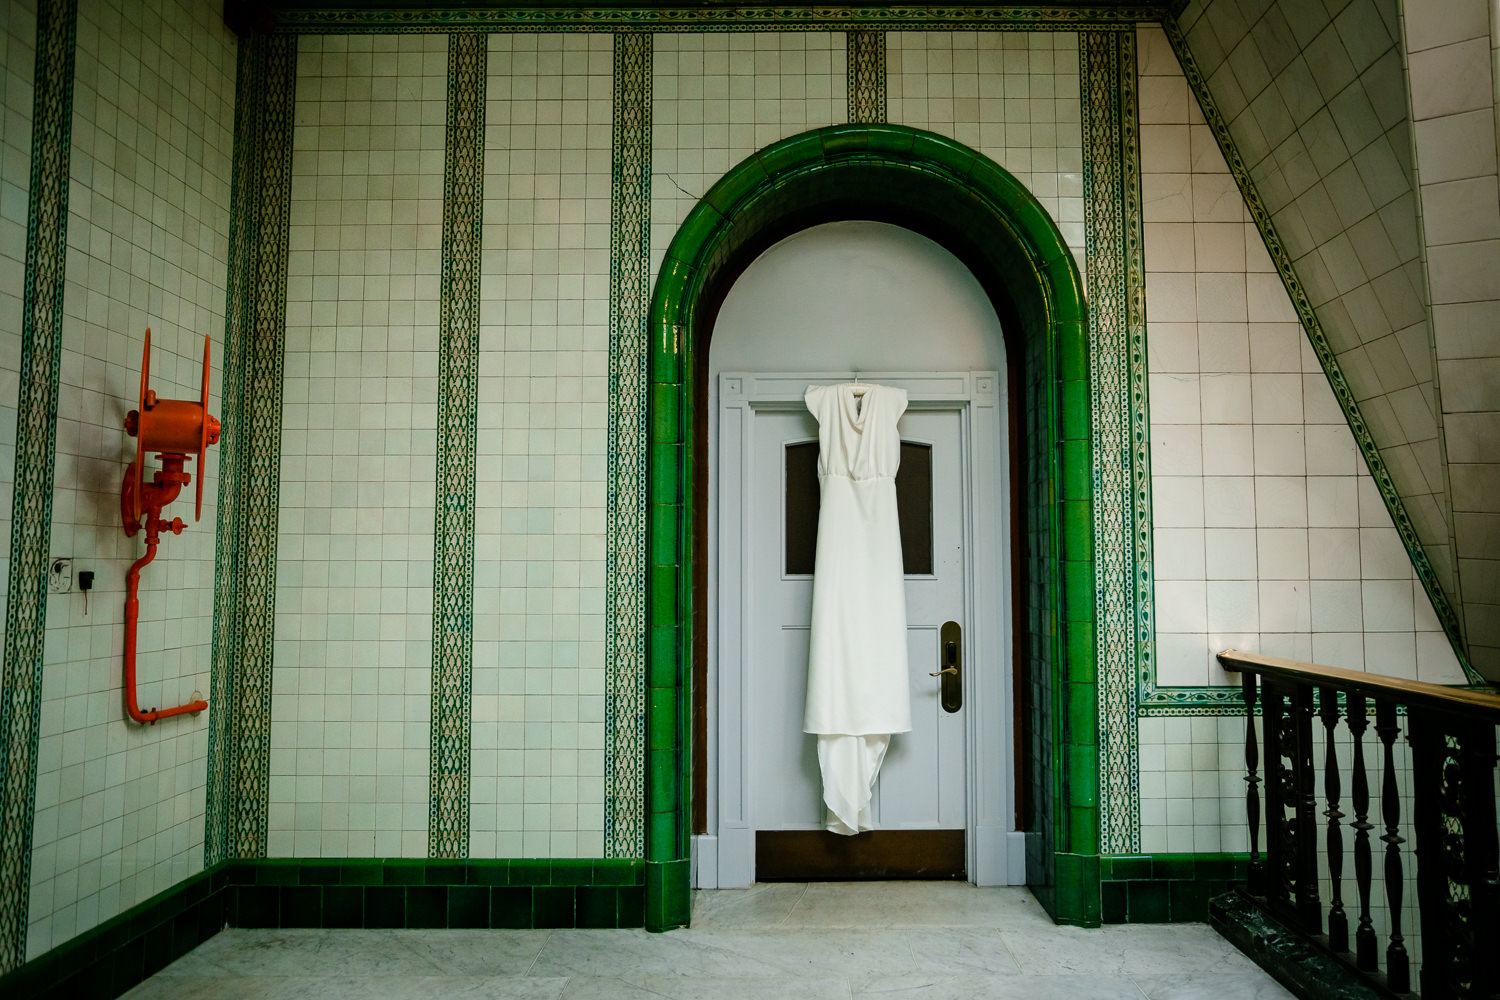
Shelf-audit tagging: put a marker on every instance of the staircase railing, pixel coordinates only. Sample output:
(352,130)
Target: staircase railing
(1450,813)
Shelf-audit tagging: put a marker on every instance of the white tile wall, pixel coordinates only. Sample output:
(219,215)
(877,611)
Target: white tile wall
(717,97)
(351,684)
(537,786)
(1012,95)
(17,41)
(1451,60)
(1270,535)
(119,808)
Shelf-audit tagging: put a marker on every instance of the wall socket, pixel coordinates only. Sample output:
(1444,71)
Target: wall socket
(60,575)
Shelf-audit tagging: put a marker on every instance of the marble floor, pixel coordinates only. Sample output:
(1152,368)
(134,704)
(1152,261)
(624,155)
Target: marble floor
(771,942)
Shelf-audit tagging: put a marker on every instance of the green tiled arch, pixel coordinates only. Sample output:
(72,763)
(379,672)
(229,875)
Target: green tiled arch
(979,211)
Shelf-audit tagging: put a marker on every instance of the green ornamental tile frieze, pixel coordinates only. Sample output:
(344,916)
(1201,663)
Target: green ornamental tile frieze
(457,445)
(36,439)
(245,630)
(238,298)
(866,73)
(625,556)
(718,17)
(1219,700)
(1112,227)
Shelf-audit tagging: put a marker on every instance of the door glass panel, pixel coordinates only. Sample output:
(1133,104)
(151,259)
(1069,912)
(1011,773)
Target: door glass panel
(913,508)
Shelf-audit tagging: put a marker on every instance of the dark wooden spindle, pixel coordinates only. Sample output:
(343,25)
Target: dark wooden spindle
(1364,935)
(1338,921)
(1304,806)
(1256,873)
(1481,845)
(1435,913)
(1281,850)
(1397,965)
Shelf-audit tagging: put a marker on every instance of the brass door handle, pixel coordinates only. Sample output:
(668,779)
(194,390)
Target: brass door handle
(951,687)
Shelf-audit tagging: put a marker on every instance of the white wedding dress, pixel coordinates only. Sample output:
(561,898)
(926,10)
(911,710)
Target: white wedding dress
(857,687)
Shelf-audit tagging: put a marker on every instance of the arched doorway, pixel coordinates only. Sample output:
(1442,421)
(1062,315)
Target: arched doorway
(974,208)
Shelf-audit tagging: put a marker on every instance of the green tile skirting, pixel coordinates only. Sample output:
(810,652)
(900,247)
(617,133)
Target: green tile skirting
(335,892)
(1163,888)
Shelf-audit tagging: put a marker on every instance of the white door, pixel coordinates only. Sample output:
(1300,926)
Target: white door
(954,770)
(922,783)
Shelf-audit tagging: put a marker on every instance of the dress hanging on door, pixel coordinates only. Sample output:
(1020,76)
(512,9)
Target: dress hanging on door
(857,688)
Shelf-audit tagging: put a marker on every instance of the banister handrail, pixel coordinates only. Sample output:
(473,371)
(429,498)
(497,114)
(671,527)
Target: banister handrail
(1443,816)
(1468,702)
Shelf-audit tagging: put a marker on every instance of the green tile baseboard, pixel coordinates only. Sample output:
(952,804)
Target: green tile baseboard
(1166,888)
(396,893)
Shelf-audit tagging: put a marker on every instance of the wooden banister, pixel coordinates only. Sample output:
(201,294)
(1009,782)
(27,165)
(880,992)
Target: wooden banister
(1471,702)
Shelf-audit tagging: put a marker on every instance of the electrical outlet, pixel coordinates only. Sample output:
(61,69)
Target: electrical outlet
(61,575)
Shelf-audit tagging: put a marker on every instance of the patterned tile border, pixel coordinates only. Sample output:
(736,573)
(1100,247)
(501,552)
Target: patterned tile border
(1112,235)
(457,445)
(36,438)
(245,629)
(717,17)
(625,558)
(238,299)
(1196,701)
(866,72)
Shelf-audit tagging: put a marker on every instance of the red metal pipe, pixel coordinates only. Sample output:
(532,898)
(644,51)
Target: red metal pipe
(158,494)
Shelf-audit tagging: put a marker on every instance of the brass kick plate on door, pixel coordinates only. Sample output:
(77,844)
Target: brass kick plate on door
(951,647)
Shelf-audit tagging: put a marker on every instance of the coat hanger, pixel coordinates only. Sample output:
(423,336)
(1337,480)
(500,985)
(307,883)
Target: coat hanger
(859,390)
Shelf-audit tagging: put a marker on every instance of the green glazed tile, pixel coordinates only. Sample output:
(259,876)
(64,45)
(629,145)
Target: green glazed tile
(1083,831)
(489,872)
(1082,716)
(661,718)
(698,231)
(662,778)
(662,656)
(1078,473)
(789,154)
(1148,902)
(1073,351)
(732,190)
(666,423)
(663,600)
(1189,900)
(1078,584)
(596,906)
(886,140)
(667,471)
(661,838)
(1078,532)
(510,907)
(1174,866)
(1112,902)
(1074,402)
(530,873)
(666,547)
(572,871)
(1080,652)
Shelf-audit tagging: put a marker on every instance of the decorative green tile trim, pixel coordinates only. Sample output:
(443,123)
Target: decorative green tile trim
(36,439)
(1182,697)
(237,315)
(457,446)
(625,555)
(256,318)
(1162,888)
(109,959)
(866,73)
(715,17)
(1107,68)
(1020,245)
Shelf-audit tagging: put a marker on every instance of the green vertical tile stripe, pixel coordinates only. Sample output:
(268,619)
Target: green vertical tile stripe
(238,298)
(866,69)
(457,445)
(626,551)
(251,624)
(36,439)
(1107,67)
(1204,701)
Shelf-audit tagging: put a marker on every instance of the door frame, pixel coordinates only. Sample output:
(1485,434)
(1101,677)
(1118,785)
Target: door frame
(970,205)
(724,857)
